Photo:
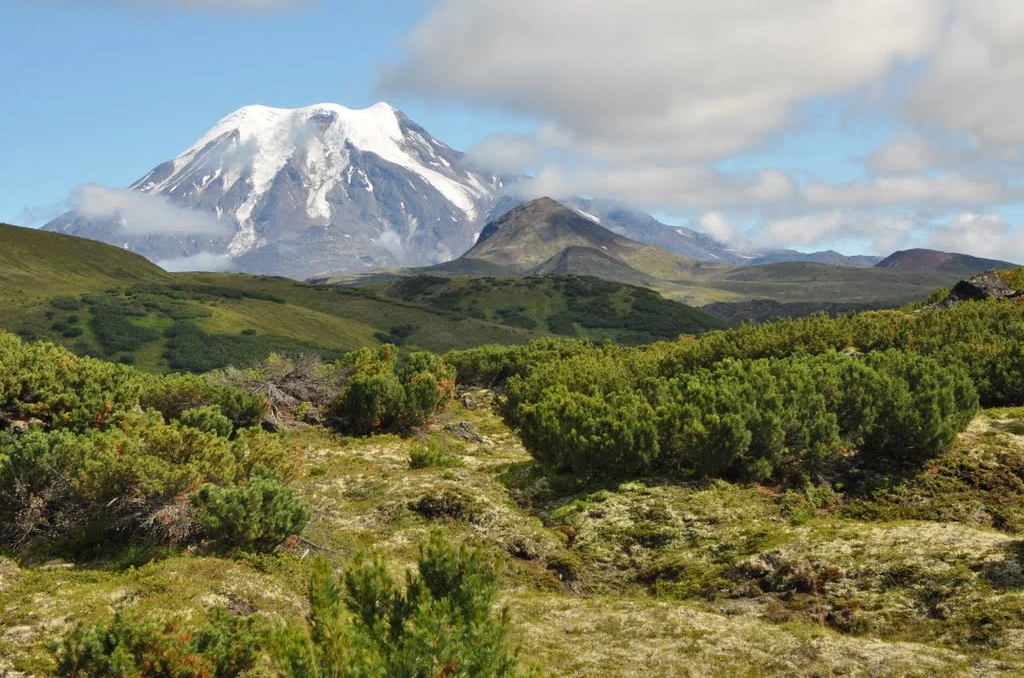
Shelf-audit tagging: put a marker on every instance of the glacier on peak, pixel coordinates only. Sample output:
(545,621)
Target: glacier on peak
(304,187)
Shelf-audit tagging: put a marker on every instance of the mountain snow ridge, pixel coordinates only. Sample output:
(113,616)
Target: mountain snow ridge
(311,189)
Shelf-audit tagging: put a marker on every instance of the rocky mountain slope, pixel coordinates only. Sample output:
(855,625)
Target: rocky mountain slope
(309,190)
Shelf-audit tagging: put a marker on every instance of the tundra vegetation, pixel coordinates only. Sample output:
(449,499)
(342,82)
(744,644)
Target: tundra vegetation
(822,496)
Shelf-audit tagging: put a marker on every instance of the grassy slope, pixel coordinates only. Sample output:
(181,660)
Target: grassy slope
(282,314)
(803,585)
(36,264)
(565,305)
(36,267)
(800,281)
(699,283)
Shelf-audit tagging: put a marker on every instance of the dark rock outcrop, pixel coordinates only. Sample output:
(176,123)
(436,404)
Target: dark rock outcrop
(982,287)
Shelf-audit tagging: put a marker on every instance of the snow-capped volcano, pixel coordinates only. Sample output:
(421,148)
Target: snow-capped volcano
(304,191)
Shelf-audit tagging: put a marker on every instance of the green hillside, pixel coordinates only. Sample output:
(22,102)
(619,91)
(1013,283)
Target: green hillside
(565,305)
(40,264)
(805,281)
(100,300)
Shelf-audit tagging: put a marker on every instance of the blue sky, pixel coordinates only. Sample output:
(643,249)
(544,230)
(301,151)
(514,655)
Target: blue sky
(98,94)
(808,123)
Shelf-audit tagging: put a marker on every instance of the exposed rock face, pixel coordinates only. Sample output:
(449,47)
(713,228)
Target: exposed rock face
(984,286)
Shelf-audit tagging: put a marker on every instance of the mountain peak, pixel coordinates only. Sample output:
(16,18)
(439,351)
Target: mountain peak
(934,261)
(532,234)
(308,190)
(545,220)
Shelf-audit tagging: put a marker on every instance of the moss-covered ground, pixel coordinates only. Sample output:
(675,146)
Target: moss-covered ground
(919,575)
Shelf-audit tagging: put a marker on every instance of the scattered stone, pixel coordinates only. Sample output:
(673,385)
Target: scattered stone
(446,504)
(464,430)
(240,607)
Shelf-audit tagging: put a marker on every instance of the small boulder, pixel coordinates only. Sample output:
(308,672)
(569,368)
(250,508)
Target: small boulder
(464,430)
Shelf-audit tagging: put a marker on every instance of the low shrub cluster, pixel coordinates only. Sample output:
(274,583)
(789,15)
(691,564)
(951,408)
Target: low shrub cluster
(752,420)
(434,453)
(984,339)
(383,393)
(95,454)
(190,348)
(127,647)
(440,622)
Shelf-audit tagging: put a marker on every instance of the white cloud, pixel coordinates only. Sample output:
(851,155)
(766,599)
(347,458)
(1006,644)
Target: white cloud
(717,226)
(983,235)
(972,84)
(657,187)
(947,189)
(140,213)
(807,229)
(885,232)
(204,261)
(905,155)
(659,79)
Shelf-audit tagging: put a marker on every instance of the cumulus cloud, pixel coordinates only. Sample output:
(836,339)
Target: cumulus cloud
(983,235)
(972,84)
(947,189)
(204,261)
(905,155)
(140,213)
(664,79)
(717,226)
(658,187)
(885,232)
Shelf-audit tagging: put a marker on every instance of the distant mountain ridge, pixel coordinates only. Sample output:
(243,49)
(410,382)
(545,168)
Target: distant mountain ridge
(697,245)
(326,189)
(934,261)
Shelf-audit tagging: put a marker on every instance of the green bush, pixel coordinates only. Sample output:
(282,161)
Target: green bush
(591,435)
(173,395)
(920,407)
(428,384)
(790,419)
(432,454)
(127,484)
(49,383)
(256,516)
(88,466)
(383,394)
(129,647)
(208,419)
(440,623)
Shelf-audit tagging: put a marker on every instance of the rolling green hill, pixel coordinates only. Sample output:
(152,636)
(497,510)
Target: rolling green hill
(40,264)
(574,306)
(933,261)
(102,301)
